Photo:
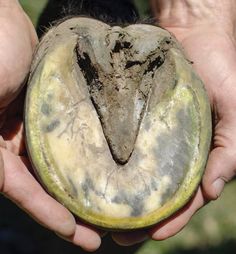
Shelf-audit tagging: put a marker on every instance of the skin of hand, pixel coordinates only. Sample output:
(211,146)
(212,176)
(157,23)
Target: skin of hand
(17,44)
(206,30)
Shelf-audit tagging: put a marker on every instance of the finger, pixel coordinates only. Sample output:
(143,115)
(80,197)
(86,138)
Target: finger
(174,224)
(12,72)
(21,187)
(16,108)
(85,237)
(2,118)
(220,169)
(165,229)
(130,238)
(13,136)
(3,143)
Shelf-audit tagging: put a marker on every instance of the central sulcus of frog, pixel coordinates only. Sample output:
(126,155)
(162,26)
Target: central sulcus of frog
(120,97)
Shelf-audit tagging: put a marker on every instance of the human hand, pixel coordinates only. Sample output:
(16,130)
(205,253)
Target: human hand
(18,40)
(206,31)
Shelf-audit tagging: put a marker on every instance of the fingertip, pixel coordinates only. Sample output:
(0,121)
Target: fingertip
(87,238)
(212,191)
(174,224)
(219,170)
(129,238)
(84,237)
(164,232)
(67,225)
(218,186)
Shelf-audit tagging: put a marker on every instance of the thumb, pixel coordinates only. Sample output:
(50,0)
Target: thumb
(221,168)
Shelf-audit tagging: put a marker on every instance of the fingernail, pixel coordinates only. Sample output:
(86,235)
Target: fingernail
(87,238)
(67,226)
(219,186)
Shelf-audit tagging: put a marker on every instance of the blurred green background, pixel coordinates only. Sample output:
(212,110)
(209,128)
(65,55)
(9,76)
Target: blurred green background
(211,231)
(34,7)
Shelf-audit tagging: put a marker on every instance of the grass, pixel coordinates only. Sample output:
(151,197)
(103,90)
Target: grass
(212,230)
(33,8)
(143,8)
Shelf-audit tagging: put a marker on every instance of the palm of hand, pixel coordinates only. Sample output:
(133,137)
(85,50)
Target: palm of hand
(213,52)
(16,47)
(214,55)
(18,40)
